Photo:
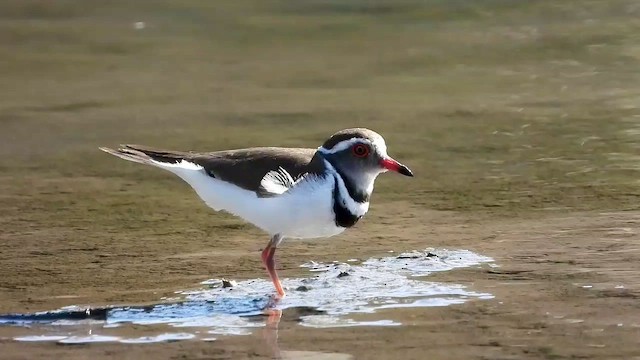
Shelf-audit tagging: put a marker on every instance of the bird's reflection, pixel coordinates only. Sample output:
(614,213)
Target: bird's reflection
(270,335)
(270,331)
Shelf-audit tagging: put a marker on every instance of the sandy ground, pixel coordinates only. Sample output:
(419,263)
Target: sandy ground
(567,287)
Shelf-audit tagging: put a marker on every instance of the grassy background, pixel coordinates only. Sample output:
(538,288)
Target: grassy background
(505,108)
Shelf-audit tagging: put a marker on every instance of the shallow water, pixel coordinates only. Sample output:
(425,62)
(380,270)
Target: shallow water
(331,297)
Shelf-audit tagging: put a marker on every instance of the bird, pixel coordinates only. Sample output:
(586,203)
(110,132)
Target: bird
(295,193)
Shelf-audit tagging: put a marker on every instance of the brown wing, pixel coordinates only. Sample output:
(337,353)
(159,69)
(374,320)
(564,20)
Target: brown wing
(243,167)
(246,167)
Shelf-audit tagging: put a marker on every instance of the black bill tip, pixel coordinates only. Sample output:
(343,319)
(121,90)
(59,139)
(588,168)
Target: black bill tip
(405,171)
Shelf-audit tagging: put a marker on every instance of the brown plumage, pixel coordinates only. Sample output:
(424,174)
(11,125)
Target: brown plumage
(243,167)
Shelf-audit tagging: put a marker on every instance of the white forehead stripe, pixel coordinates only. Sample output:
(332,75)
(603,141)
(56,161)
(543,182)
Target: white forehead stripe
(378,143)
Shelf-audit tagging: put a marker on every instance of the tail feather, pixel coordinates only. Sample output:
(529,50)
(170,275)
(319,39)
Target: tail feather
(164,156)
(178,163)
(145,155)
(131,155)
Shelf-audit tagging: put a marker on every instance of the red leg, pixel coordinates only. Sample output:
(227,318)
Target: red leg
(270,264)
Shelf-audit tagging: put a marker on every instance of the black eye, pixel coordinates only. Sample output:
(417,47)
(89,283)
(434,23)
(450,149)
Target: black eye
(360,150)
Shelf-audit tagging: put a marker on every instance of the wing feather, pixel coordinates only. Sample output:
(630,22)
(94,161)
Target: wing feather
(277,182)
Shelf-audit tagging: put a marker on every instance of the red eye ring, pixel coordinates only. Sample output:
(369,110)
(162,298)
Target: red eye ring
(360,150)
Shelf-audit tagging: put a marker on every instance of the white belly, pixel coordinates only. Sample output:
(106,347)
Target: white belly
(306,211)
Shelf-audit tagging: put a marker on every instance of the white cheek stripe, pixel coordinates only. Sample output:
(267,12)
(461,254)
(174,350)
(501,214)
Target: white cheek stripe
(356,208)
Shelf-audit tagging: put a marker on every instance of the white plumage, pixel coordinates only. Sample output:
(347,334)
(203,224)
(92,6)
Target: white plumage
(277,181)
(302,211)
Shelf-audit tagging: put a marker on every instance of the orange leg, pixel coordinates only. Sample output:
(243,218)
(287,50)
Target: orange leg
(270,263)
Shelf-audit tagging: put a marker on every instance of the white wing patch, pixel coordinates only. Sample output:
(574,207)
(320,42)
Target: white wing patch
(276,182)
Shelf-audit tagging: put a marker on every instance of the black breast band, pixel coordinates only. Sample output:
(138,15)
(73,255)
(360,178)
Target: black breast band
(344,217)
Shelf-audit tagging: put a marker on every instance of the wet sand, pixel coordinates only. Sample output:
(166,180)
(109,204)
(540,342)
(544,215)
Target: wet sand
(574,297)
